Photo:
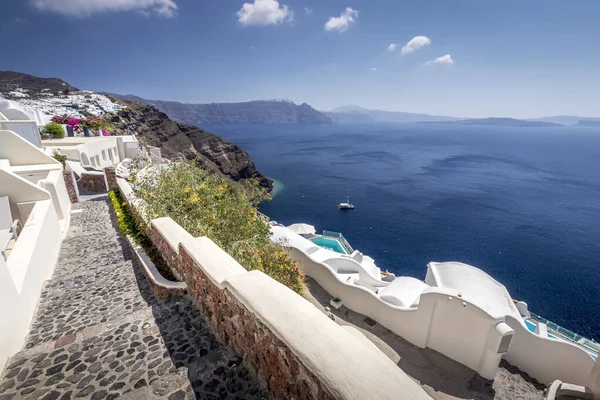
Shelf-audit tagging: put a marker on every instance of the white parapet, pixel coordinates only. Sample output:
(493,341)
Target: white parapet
(460,311)
(22,275)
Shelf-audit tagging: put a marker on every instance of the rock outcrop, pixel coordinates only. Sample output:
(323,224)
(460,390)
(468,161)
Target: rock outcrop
(176,139)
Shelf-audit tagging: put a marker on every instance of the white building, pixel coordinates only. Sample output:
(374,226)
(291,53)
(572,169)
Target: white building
(14,117)
(459,311)
(35,212)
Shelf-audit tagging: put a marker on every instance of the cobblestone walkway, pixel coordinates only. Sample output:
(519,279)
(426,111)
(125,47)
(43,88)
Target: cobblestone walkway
(100,333)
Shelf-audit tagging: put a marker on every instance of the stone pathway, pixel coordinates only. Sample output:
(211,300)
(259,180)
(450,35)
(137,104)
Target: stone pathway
(100,333)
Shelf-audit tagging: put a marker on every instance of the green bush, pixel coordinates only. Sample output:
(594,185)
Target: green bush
(207,204)
(129,226)
(61,158)
(55,129)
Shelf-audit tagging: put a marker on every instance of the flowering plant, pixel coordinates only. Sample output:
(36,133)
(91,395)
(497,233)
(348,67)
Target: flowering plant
(61,119)
(75,124)
(93,123)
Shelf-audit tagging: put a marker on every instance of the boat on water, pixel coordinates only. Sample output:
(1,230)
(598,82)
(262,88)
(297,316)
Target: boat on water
(347,205)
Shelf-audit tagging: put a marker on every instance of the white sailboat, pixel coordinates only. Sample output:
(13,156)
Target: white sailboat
(347,205)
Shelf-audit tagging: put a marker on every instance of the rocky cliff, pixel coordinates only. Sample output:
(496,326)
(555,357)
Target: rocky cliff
(176,139)
(30,85)
(251,112)
(56,97)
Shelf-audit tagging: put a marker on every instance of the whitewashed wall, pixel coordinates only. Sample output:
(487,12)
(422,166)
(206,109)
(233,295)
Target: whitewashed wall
(21,152)
(30,263)
(28,130)
(441,322)
(547,359)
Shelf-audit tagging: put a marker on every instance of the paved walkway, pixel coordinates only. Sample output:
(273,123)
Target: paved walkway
(100,333)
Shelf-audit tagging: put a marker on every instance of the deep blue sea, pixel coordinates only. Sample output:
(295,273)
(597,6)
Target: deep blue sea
(523,204)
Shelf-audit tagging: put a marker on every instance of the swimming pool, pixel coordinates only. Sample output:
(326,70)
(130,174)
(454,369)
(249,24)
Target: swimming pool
(531,326)
(329,244)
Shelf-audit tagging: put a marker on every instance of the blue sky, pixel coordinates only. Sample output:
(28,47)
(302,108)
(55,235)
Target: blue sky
(518,58)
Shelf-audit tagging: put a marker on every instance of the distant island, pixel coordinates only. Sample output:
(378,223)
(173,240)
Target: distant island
(521,123)
(357,114)
(360,114)
(586,122)
(251,112)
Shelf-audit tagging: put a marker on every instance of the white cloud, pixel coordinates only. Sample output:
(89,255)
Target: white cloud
(308,11)
(373,69)
(392,47)
(415,43)
(264,12)
(447,59)
(85,8)
(343,22)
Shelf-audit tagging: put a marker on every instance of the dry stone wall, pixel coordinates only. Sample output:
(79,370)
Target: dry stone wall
(70,184)
(93,183)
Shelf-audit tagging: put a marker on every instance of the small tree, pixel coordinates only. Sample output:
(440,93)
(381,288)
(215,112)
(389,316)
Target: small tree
(55,129)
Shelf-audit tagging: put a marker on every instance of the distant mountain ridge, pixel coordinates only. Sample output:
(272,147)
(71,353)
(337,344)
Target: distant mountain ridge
(360,114)
(252,112)
(353,113)
(499,122)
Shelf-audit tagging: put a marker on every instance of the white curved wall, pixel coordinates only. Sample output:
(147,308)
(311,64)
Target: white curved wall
(20,151)
(547,359)
(14,114)
(441,322)
(348,265)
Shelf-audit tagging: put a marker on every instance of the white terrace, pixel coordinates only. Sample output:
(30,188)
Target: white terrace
(458,310)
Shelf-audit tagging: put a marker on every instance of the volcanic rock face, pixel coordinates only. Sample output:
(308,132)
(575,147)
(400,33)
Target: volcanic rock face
(180,140)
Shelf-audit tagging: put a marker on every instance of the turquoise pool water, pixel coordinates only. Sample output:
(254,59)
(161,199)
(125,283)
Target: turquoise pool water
(329,244)
(531,326)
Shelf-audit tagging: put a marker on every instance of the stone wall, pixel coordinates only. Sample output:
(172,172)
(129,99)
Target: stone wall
(93,183)
(169,254)
(268,357)
(276,366)
(70,184)
(111,178)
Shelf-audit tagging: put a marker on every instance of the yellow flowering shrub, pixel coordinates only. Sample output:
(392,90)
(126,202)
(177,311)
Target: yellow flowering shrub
(207,204)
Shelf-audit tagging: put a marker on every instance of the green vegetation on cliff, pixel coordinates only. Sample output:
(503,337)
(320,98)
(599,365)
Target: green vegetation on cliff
(208,204)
